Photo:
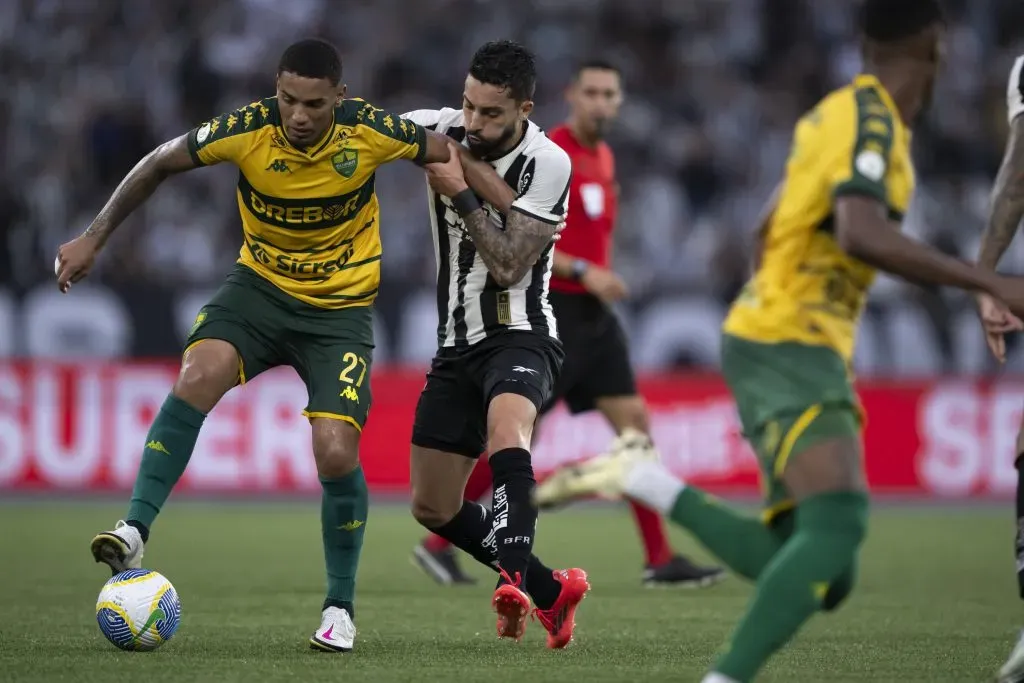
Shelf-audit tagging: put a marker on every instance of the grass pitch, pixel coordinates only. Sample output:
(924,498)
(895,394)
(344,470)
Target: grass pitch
(937,601)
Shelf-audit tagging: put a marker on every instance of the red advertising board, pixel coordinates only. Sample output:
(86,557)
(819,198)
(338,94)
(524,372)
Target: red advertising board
(81,427)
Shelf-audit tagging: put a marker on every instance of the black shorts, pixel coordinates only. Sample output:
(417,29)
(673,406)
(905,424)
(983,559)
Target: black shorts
(451,414)
(596,353)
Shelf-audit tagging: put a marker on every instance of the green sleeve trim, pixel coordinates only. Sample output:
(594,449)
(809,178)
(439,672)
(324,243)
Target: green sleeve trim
(421,142)
(875,130)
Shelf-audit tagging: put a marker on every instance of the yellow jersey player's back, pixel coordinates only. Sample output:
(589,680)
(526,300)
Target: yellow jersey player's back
(807,289)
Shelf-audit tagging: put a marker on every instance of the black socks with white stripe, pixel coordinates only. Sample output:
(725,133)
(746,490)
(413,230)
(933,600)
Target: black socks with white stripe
(515,517)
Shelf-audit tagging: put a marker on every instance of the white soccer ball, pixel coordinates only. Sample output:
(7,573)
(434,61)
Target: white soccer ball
(138,609)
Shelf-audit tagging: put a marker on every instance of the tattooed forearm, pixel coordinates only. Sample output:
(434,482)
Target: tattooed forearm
(1007,202)
(509,253)
(170,157)
(137,186)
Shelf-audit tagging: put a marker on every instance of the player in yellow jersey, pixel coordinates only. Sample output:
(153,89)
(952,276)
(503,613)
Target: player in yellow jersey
(788,342)
(301,293)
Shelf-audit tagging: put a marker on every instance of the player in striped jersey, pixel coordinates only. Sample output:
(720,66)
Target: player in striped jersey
(1005,213)
(498,351)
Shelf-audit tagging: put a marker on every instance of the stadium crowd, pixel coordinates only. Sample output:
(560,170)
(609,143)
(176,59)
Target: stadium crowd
(713,89)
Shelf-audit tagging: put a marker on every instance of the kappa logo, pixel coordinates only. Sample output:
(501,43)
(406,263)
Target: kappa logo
(279,166)
(520,368)
(350,394)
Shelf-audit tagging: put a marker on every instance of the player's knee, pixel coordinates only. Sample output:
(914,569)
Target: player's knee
(335,447)
(431,513)
(208,371)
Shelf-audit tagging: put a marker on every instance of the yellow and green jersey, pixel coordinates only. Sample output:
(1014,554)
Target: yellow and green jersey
(310,217)
(807,289)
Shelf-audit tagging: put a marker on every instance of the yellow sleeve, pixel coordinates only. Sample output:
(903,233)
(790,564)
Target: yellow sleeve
(228,136)
(862,132)
(390,136)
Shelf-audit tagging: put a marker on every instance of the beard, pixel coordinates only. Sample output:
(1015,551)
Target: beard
(490,148)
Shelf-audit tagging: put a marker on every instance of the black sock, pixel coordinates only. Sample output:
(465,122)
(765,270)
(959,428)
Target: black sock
(471,530)
(143,529)
(1019,541)
(515,517)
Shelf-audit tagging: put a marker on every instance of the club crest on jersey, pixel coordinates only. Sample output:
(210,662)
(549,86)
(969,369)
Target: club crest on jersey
(345,162)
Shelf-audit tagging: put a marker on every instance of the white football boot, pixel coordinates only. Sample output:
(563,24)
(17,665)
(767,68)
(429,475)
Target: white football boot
(603,476)
(1013,669)
(337,633)
(120,549)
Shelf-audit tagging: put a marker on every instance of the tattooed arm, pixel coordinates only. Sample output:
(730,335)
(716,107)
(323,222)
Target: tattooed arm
(1007,203)
(75,258)
(510,253)
(532,218)
(167,159)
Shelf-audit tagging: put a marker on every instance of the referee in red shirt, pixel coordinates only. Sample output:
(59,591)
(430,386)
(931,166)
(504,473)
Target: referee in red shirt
(596,373)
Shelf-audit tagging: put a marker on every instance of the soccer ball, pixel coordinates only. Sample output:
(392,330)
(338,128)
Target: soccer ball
(138,609)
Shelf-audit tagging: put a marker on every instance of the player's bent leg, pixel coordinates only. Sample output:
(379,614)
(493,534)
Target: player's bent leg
(344,509)
(435,554)
(438,478)
(510,421)
(208,370)
(825,479)
(663,567)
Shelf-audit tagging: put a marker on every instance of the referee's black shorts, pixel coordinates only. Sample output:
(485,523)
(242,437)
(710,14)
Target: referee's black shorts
(596,361)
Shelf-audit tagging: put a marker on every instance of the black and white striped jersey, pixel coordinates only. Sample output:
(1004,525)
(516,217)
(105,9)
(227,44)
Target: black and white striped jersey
(1015,90)
(471,306)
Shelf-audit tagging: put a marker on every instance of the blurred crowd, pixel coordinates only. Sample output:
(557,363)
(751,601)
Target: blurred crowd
(713,90)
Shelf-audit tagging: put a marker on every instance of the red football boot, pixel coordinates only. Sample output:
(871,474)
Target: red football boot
(512,606)
(560,620)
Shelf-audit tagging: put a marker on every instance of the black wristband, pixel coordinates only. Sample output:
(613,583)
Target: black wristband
(465,202)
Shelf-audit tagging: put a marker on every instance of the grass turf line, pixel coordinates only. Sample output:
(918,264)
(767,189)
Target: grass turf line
(936,601)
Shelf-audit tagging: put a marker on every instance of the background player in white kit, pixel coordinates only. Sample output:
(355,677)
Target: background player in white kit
(1005,213)
(498,350)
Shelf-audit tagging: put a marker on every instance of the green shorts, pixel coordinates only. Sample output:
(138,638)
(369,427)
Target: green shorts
(789,397)
(332,350)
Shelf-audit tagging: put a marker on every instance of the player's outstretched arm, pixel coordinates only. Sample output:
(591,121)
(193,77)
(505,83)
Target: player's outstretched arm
(164,161)
(863,231)
(76,257)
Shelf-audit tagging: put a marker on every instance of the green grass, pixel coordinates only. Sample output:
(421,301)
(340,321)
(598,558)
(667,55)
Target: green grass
(936,602)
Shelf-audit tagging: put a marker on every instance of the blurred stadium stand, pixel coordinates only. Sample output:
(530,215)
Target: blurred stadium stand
(713,87)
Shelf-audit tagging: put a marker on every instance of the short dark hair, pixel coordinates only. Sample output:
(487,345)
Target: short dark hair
(312,58)
(888,21)
(598,64)
(508,65)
